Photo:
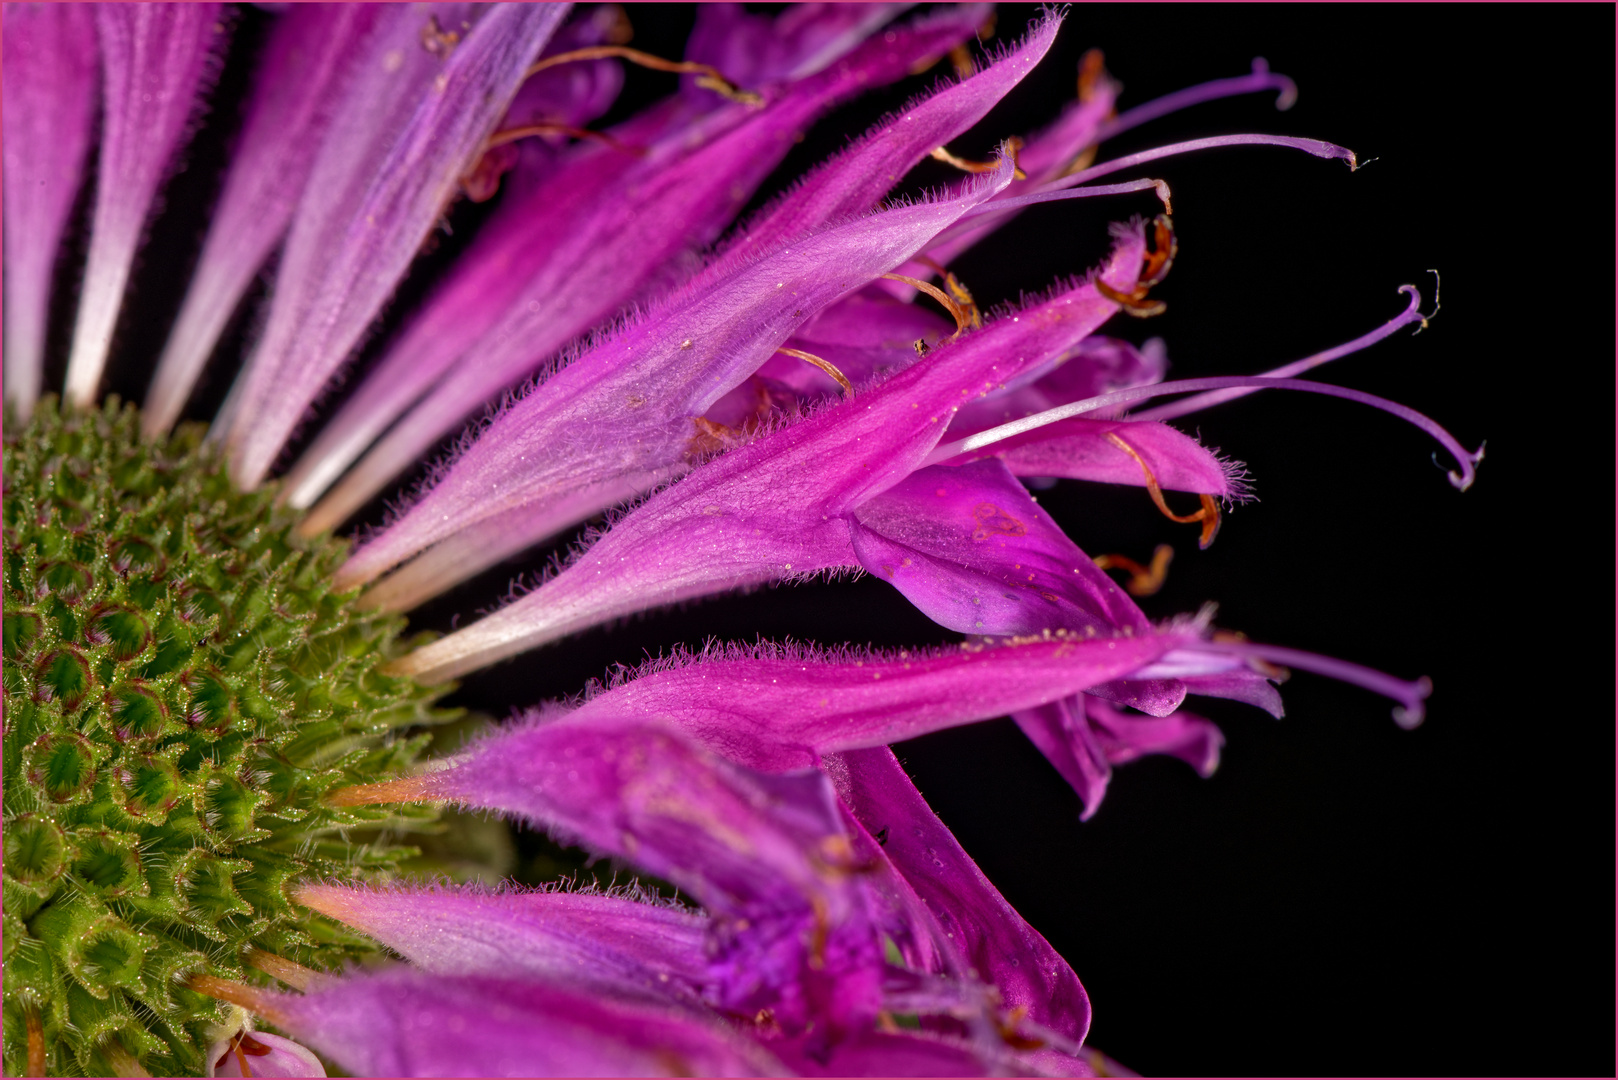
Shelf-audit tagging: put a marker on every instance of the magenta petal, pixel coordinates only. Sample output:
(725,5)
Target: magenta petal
(1250,687)
(969,547)
(491,276)
(401,1022)
(610,943)
(623,416)
(781,709)
(573,250)
(1090,120)
(755,50)
(787,934)
(867,326)
(408,125)
(1154,697)
(1099,365)
(876,1053)
(1080,449)
(50,80)
(292,105)
(285,1058)
(865,336)
(1045,157)
(631,226)
(156,59)
(1084,737)
(855,180)
(572,94)
(1051,150)
(1126,737)
(1004,949)
(771,509)
(1065,737)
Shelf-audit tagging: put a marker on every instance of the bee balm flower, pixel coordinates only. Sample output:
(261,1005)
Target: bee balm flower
(215,744)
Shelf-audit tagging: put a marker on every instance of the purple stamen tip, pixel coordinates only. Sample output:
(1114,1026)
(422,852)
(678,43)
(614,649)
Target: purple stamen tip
(1410,715)
(1288,90)
(1462,480)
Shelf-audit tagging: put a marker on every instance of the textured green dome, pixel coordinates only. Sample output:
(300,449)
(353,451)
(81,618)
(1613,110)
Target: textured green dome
(182,688)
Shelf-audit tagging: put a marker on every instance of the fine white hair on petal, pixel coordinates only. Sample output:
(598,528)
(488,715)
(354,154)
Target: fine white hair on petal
(156,61)
(410,126)
(50,105)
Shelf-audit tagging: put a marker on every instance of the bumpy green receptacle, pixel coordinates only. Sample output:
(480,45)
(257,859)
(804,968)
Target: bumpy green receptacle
(182,688)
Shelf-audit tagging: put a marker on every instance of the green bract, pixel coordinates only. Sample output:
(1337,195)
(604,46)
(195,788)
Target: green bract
(182,688)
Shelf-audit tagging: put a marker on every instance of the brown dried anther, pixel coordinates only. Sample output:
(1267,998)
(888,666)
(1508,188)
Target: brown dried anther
(708,76)
(824,365)
(1154,268)
(1208,515)
(1013,145)
(1144,580)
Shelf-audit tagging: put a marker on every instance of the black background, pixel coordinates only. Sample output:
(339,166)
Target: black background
(1342,896)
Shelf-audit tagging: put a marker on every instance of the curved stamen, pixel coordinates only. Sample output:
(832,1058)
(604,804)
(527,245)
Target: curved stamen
(1143,580)
(969,221)
(1129,303)
(1260,80)
(709,77)
(1058,189)
(1466,459)
(824,365)
(1410,695)
(1202,401)
(1161,258)
(1208,515)
(1129,161)
(510,135)
(1154,268)
(1013,144)
(960,292)
(963,319)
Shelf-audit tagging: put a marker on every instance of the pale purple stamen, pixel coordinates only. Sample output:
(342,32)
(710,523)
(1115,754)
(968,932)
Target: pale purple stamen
(1309,146)
(1203,401)
(1061,188)
(1410,695)
(1261,79)
(1466,459)
(1018,202)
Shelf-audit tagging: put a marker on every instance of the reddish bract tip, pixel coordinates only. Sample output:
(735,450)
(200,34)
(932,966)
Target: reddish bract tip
(405,789)
(36,1043)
